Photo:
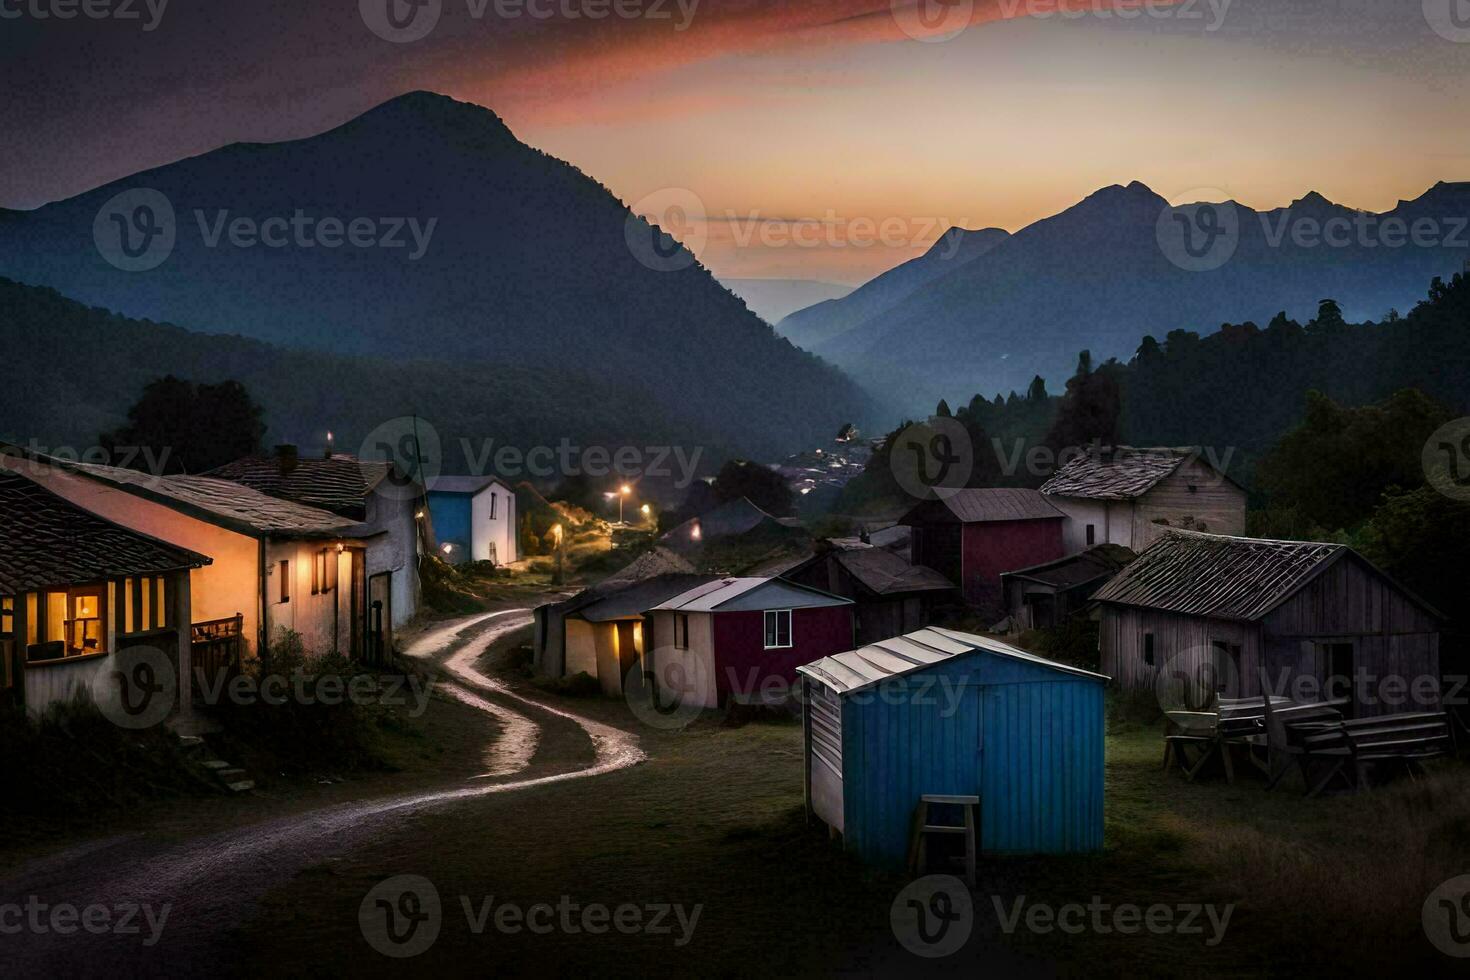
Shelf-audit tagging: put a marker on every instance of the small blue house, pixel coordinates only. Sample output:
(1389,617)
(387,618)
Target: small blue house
(947,713)
(473,519)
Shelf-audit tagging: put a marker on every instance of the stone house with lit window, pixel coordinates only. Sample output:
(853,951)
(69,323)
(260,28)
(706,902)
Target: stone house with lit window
(275,564)
(77,591)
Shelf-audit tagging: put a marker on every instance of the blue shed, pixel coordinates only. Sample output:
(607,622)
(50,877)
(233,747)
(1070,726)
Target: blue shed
(948,713)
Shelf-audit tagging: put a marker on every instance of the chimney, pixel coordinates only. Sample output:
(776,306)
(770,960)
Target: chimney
(286,457)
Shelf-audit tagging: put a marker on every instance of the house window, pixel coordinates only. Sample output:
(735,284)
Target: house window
(7,615)
(778,629)
(85,628)
(1148,649)
(681,631)
(493,498)
(1091,535)
(285,583)
(323,572)
(142,605)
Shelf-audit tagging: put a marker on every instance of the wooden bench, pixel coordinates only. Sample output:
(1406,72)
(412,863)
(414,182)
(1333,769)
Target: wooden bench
(1234,722)
(1405,739)
(1295,731)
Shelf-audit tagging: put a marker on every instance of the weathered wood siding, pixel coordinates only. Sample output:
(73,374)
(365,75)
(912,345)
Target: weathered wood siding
(1026,739)
(1194,494)
(1395,640)
(1183,645)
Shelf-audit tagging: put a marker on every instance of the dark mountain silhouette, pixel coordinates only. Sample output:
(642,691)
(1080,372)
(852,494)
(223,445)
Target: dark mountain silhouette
(528,265)
(109,358)
(1100,275)
(823,322)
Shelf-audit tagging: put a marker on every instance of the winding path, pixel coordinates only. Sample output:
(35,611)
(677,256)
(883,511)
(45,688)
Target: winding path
(212,883)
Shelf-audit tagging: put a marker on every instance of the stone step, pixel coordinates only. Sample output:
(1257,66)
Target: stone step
(230,774)
(215,764)
(190,741)
(240,786)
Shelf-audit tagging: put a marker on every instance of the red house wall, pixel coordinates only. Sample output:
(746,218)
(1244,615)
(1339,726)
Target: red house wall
(742,662)
(1005,546)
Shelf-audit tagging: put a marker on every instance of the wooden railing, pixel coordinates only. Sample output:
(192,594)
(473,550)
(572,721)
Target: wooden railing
(215,649)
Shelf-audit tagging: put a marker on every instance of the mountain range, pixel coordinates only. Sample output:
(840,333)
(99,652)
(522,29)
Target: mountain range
(424,231)
(1114,268)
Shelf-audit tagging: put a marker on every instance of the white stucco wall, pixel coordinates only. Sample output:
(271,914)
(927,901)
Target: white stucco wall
(499,531)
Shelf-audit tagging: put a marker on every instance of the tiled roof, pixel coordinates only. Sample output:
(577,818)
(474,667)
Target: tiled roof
(339,483)
(48,541)
(222,502)
(1115,473)
(1216,576)
(987,505)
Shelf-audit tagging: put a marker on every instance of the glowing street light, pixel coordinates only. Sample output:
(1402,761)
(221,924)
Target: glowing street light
(623,492)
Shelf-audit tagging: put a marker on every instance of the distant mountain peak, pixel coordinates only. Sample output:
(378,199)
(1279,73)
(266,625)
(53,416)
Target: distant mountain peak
(422,112)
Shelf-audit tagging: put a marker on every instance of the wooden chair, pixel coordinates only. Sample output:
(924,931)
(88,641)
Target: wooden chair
(924,827)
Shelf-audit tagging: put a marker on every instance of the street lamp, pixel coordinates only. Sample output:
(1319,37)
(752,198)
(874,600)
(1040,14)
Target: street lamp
(623,492)
(647,510)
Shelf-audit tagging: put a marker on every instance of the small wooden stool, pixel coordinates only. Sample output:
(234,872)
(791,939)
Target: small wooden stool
(918,849)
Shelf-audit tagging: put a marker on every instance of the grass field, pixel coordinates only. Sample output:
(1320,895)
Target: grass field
(715,818)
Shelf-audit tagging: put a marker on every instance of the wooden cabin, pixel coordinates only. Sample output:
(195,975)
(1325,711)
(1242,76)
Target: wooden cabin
(891,596)
(954,714)
(972,536)
(1044,596)
(1199,616)
(1128,496)
(77,592)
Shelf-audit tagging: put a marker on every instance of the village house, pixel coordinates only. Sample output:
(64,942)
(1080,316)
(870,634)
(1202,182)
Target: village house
(1044,596)
(972,536)
(733,519)
(76,590)
(550,639)
(373,492)
(743,638)
(1128,496)
(276,564)
(474,519)
(890,596)
(1212,613)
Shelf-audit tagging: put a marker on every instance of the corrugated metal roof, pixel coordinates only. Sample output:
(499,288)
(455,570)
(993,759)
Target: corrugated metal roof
(1223,577)
(633,599)
(712,595)
(464,484)
(1087,566)
(888,574)
(987,505)
(49,541)
(1116,472)
(856,670)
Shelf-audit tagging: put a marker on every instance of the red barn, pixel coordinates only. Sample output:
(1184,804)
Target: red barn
(744,638)
(972,536)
